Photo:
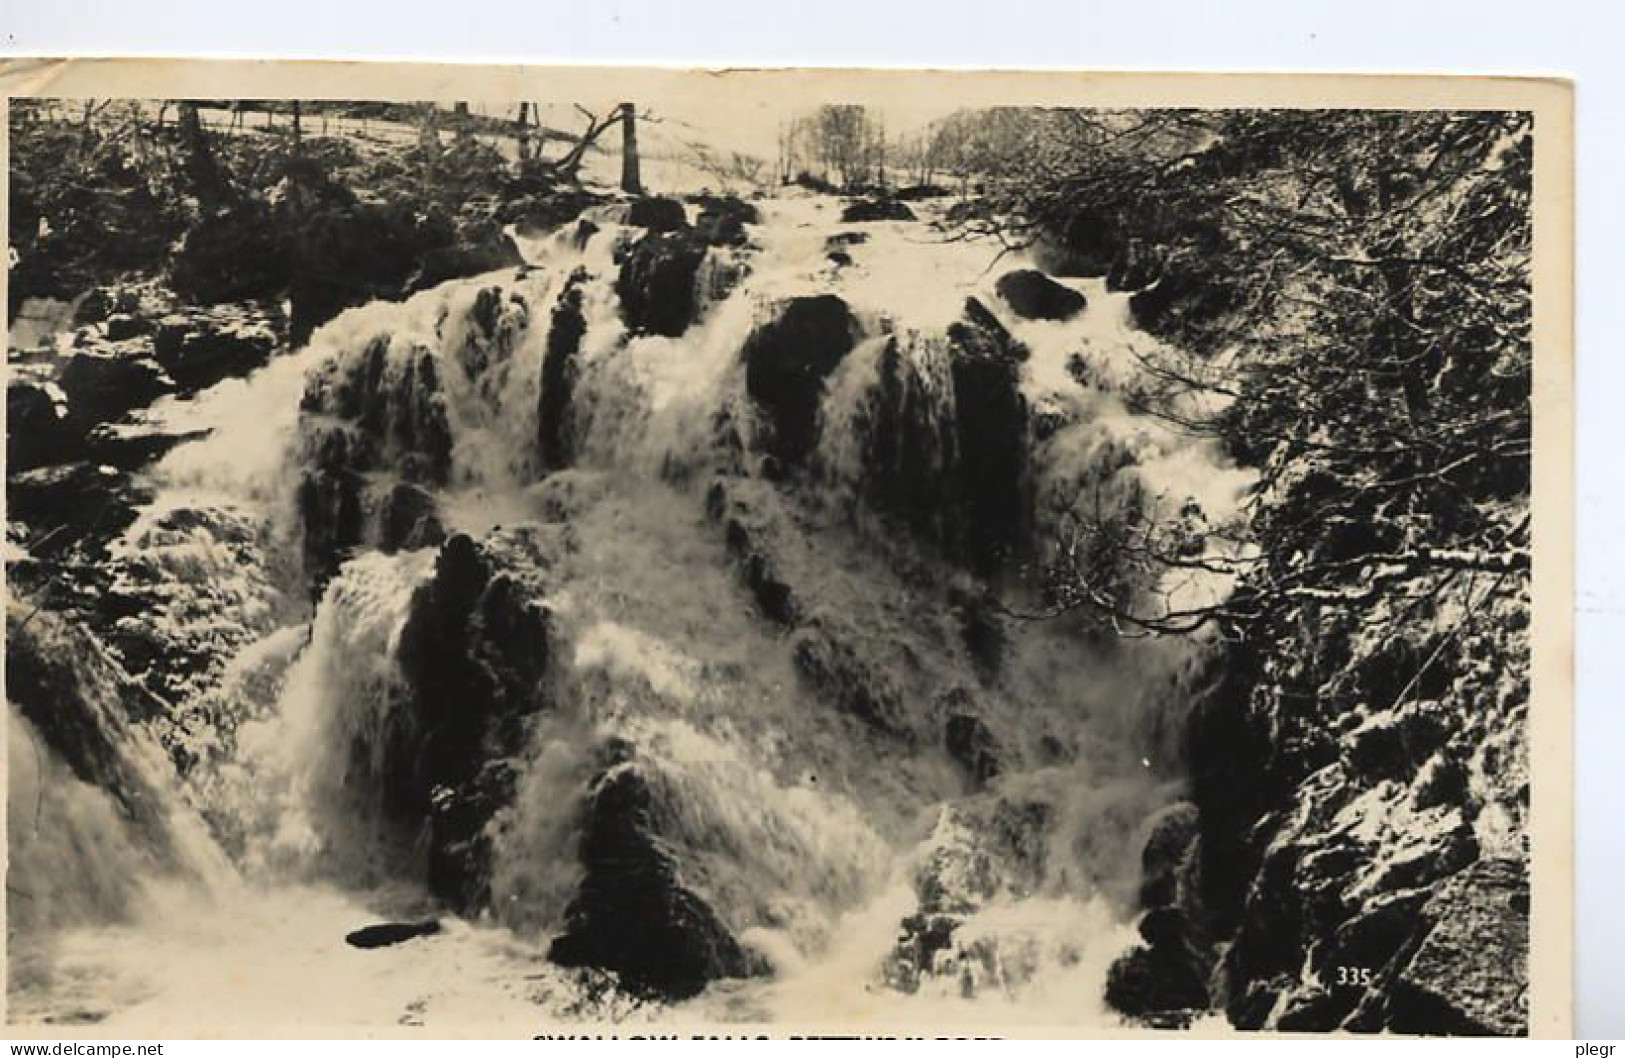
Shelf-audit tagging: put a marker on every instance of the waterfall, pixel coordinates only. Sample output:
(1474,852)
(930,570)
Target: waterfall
(557,627)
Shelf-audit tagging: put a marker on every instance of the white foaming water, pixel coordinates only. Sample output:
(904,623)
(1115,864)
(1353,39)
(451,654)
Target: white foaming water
(804,828)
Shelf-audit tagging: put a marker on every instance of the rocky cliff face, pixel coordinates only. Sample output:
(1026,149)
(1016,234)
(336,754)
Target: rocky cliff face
(1359,767)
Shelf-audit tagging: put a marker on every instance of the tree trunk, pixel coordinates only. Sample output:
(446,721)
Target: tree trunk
(631,179)
(524,132)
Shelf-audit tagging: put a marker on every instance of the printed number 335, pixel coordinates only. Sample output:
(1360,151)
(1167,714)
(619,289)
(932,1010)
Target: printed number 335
(1353,975)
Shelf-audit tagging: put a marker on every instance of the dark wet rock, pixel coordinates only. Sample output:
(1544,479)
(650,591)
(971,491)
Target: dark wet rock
(633,913)
(472,655)
(956,479)
(1185,290)
(1395,744)
(134,442)
(1164,981)
(1443,780)
(1085,244)
(123,325)
(813,182)
(386,934)
(722,219)
(1032,295)
(980,629)
(843,240)
(923,940)
(874,209)
(786,362)
(1160,983)
(499,323)
(911,449)
(585,230)
(72,506)
(1371,939)
(972,745)
(106,381)
(409,519)
(61,679)
(752,530)
(1168,853)
(990,415)
(773,594)
(656,283)
(200,350)
(479,248)
(836,660)
(559,370)
(547,211)
(920,192)
(1470,975)
(657,214)
(38,431)
(99,303)
(370,417)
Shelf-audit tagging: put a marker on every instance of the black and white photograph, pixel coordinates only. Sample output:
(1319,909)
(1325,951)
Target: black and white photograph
(932,553)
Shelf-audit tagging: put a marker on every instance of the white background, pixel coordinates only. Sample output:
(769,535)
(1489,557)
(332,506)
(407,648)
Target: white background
(1583,41)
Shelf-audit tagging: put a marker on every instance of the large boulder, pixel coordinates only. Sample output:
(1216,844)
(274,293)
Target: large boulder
(135,441)
(1188,291)
(990,415)
(657,214)
(104,381)
(1159,982)
(473,653)
(480,247)
(1032,295)
(656,283)
(73,506)
(545,211)
(201,349)
(920,192)
(38,431)
(722,219)
(633,912)
(1083,244)
(566,328)
(872,209)
(787,360)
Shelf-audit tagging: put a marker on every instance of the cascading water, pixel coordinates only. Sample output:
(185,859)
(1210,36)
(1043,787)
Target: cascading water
(771,675)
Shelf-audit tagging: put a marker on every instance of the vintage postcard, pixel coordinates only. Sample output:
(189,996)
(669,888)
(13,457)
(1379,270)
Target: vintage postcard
(525,551)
